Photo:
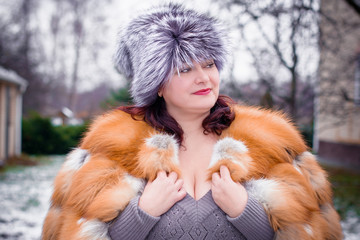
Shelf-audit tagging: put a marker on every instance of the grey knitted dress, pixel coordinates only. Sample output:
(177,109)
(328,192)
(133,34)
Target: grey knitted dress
(192,219)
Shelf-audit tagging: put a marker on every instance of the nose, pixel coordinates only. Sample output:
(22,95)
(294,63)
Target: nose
(201,75)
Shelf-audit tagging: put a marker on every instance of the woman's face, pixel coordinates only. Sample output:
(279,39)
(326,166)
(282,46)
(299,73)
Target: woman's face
(195,90)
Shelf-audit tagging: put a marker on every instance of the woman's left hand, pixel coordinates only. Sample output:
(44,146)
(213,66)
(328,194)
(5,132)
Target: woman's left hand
(230,196)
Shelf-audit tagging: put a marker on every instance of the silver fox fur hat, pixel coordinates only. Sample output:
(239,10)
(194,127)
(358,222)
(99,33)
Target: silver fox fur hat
(155,45)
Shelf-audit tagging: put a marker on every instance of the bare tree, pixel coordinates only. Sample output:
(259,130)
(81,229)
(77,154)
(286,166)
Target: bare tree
(278,35)
(82,17)
(20,49)
(79,13)
(53,68)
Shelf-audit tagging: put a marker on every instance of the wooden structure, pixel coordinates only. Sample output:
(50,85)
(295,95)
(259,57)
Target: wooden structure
(12,86)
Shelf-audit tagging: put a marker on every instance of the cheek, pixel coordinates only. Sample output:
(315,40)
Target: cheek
(171,88)
(173,92)
(215,81)
(215,77)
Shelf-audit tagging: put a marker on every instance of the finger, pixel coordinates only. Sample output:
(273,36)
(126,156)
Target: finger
(161,174)
(224,172)
(179,183)
(241,186)
(214,192)
(173,176)
(148,183)
(181,194)
(215,177)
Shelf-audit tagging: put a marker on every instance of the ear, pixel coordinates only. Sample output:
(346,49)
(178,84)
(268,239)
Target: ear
(160,92)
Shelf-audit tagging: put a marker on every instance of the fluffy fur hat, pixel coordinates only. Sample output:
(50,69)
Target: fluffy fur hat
(156,44)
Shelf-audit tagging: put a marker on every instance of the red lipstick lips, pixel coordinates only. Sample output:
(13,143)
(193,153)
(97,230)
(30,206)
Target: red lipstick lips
(203,91)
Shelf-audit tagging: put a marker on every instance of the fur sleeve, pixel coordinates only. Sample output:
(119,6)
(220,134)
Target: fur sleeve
(263,149)
(99,178)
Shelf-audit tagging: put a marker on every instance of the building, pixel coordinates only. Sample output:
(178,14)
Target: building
(65,117)
(337,115)
(12,86)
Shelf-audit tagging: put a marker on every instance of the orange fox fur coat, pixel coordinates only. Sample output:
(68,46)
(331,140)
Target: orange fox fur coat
(261,148)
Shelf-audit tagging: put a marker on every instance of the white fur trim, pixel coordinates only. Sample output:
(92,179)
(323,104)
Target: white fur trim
(266,191)
(165,141)
(306,154)
(296,167)
(94,230)
(80,221)
(76,159)
(137,184)
(317,179)
(308,229)
(222,148)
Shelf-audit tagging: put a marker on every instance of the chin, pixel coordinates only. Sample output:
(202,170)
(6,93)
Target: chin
(204,107)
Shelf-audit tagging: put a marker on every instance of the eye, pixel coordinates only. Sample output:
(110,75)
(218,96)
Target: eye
(210,65)
(185,70)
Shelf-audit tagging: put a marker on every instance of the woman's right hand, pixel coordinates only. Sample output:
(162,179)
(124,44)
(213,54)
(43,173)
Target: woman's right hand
(162,193)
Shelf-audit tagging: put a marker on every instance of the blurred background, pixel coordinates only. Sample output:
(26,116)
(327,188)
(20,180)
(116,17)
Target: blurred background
(56,74)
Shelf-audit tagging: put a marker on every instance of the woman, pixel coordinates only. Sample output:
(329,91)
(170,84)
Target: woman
(195,149)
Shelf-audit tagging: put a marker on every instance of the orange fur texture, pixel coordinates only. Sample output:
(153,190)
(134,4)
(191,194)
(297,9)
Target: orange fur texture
(278,153)
(98,180)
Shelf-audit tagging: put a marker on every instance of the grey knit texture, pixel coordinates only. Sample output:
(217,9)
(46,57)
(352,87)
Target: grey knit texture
(190,219)
(156,44)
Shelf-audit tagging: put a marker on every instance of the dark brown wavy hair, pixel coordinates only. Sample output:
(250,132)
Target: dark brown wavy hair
(157,116)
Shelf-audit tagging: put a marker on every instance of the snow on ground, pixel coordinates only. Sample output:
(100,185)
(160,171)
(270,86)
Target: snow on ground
(24,200)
